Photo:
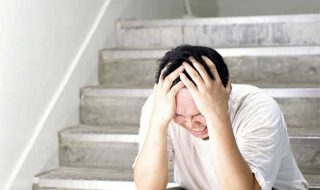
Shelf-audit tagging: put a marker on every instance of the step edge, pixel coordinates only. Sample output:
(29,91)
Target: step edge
(119,138)
(111,55)
(91,185)
(292,18)
(87,184)
(134,138)
(84,184)
(96,184)
(98,91)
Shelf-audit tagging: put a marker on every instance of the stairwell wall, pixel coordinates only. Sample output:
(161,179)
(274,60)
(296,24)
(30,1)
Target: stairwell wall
(48,51)
(231,8)
(39,44)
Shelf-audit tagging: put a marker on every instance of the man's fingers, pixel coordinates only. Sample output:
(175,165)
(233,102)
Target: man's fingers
(167,83)
(187,83)
(229,87)
(193,74)
(175,89)
(161,77)
(212,67)
(202,71)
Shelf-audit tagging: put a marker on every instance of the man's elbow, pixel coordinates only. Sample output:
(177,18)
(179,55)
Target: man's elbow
(144,182)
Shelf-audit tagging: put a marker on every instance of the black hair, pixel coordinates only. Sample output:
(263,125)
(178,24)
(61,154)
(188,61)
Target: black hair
(175,57)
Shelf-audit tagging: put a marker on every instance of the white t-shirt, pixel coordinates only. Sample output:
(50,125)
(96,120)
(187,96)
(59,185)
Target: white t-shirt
(261,135)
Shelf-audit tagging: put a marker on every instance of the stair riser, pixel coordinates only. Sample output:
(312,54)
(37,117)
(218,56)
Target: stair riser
(307,155)
(110,110)
(221,35)
(97,154)
(263,71)
(122,155)
(298,112)
(134,73)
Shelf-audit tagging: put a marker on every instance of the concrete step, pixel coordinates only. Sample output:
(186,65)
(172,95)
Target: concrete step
(103,106)
(264,66)
(107,147)
(67,178)
(93,179)
(97,147)
(284,30)
(305,145)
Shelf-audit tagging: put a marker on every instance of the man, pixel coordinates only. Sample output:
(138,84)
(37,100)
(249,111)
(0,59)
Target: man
(219,136)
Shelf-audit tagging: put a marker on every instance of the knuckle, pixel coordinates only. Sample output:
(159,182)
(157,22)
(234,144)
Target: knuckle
(210,86)
(195,75)
(168,79)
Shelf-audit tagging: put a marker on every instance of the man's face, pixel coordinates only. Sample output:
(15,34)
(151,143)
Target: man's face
(188,115)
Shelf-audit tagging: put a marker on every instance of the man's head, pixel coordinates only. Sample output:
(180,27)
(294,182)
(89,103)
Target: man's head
(187,113)
(175,57)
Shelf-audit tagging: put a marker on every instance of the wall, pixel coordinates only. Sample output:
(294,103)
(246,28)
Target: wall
(156,9)
(271,7)
(45,57)
(151,9)
(39,40)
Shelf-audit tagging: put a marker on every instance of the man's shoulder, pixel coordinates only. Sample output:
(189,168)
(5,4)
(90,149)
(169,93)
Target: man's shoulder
(245,88)
(249,97)
(243,92)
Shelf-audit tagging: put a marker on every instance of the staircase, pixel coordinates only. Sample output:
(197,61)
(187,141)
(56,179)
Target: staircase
(280,54)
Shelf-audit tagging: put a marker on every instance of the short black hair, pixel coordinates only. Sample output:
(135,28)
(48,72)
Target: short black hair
(175,57)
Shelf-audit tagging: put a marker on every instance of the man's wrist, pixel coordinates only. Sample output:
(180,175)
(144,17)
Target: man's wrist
(217,120)
(159,123)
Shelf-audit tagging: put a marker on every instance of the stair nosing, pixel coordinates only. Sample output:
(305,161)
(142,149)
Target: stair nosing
(133,137)
(92,184)
(99,91)
(121,138)
(42,181)
(84,134)
(72,183)
(112,54)
(293,18)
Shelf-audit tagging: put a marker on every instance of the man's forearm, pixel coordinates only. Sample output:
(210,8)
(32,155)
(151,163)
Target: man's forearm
(230,167)
(151,169)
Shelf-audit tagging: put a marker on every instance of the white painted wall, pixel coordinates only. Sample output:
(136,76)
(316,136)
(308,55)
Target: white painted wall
(39,40)
(270,7)
(40,43)
(150,9)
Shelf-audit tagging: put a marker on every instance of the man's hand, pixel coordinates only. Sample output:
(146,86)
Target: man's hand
(153,155)
(210,96)
(164,104)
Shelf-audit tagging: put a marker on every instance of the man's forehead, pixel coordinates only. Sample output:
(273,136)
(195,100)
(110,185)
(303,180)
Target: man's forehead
(185,103)
(184,94)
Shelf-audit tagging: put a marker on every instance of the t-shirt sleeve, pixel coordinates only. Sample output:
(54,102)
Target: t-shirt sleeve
(261,139)
(144,126)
